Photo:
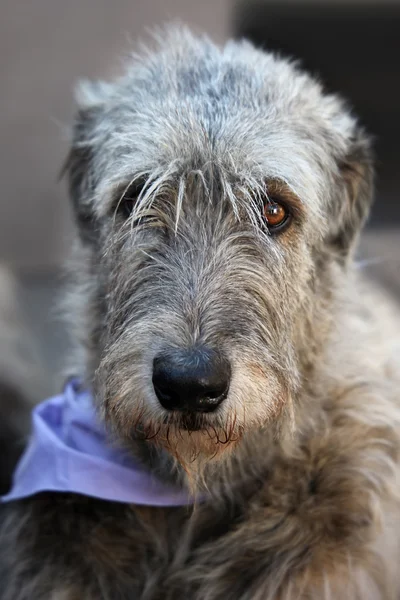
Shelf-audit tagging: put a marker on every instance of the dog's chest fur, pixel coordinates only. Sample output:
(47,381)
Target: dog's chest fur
(311,509)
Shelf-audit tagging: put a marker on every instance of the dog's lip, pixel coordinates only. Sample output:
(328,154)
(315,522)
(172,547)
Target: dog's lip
(190,426)
(189,421)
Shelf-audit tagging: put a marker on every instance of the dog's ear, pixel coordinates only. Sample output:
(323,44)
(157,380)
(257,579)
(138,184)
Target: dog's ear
(79,167)
(354,194)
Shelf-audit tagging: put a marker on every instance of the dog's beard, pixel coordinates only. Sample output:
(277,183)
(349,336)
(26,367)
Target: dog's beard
(196,441)
(203,444)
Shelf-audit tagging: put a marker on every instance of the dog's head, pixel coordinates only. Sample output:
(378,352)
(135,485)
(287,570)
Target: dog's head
(217,195)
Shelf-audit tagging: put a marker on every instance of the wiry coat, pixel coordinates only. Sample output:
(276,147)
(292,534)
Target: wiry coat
(170,169)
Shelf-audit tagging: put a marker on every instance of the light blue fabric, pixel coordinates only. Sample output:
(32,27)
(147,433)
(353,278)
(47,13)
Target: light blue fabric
(68,451)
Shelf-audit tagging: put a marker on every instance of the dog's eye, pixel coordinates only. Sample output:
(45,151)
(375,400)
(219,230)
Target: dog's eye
(276,215)
(127,202)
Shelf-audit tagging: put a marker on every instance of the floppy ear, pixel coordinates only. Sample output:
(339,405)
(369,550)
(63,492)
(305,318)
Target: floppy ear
(354,195)
(80,172)
(80,166)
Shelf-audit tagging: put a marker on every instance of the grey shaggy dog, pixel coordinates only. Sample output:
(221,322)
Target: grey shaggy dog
(230,341)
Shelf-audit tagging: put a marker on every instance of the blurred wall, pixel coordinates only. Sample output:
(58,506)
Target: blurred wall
(45,46)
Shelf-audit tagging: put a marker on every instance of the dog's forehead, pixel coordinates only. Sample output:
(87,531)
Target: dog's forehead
(192,103)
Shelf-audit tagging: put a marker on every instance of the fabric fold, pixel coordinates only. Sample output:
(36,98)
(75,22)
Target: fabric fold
(69,451)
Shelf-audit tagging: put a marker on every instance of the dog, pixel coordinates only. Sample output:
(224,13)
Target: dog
(232,345)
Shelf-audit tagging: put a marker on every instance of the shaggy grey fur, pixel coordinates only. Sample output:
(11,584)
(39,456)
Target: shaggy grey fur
(210,132)
(170,170)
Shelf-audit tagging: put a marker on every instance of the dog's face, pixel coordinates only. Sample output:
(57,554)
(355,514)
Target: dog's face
(215,193)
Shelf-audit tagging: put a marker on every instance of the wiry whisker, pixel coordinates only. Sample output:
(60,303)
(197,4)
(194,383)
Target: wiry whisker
(154,434)
(179,201)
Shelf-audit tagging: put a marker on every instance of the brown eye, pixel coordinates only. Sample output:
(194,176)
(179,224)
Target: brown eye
(127,202)
(276,215)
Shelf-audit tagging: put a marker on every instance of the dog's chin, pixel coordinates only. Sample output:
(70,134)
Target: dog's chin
(196,441)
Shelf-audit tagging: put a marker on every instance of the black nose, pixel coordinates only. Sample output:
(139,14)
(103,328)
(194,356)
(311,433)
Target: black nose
(195,380)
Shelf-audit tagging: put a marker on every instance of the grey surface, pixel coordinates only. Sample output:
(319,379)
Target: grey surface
(40,295)
(380,257)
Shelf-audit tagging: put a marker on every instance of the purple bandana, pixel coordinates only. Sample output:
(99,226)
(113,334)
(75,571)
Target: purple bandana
(68,452)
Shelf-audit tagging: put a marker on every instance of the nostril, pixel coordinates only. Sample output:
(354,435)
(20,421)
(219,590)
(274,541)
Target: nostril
(191,380)
(210,400)
(163,393)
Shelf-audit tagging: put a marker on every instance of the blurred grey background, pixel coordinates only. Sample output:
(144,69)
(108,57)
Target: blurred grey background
(47,45)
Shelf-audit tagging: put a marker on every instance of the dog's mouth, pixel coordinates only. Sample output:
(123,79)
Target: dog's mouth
(187,421)
(183,421)
(192,439)
(192,422)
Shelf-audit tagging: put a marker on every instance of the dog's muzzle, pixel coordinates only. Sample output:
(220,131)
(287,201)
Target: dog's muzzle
(194,380)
